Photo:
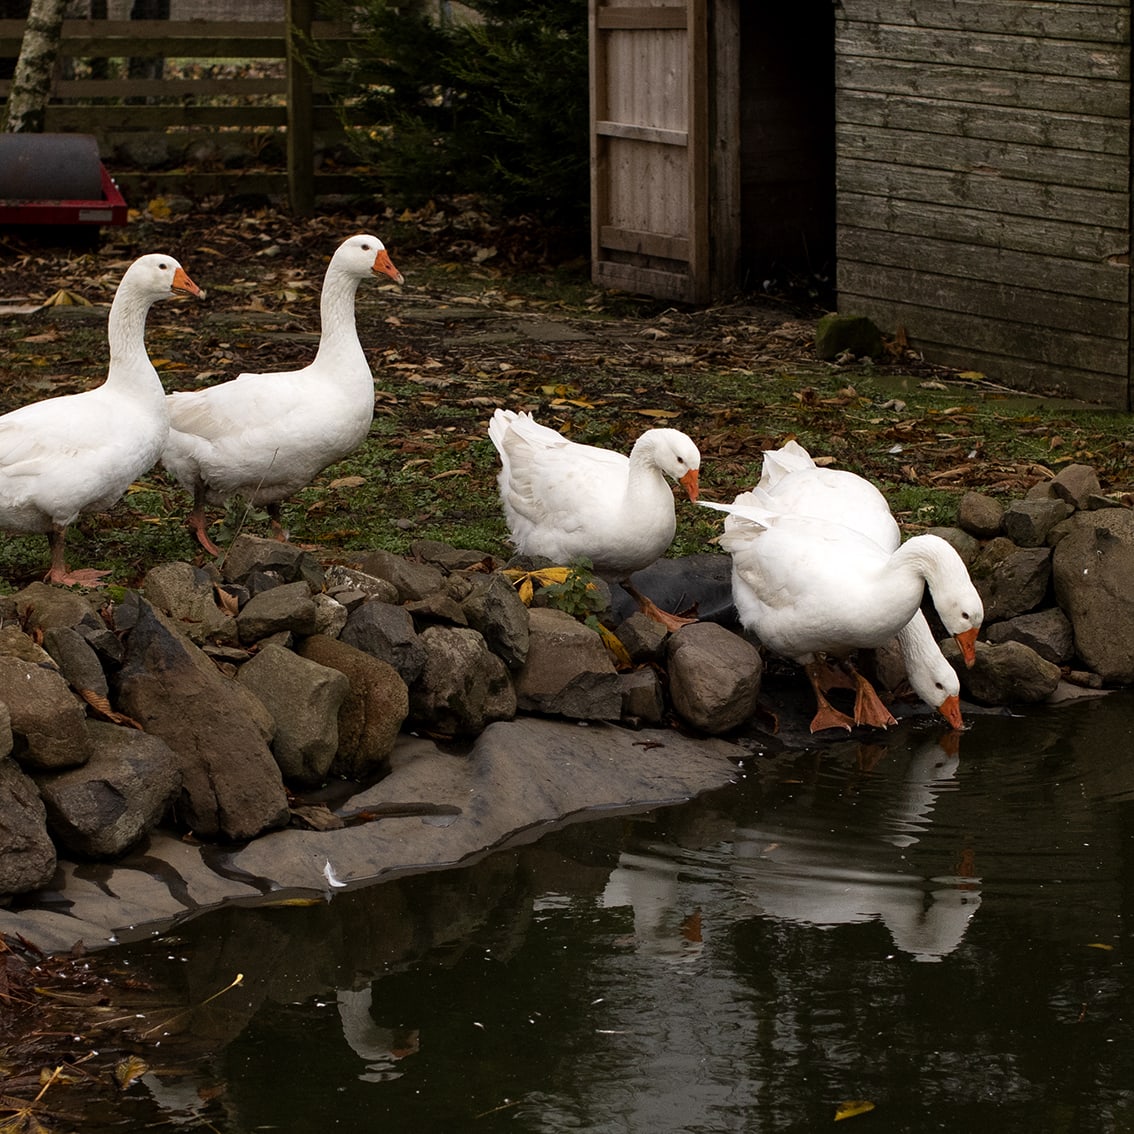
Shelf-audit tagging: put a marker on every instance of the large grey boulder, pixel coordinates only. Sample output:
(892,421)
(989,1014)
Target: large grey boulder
(714,677)
(286,608)
(372,712)
(186,594)
(1027,522)
(568,672)
(1048,632)
(303,698)
(103,808)
(494,609)
(1008,674)
(48,721)
(77,661)
(1011,580)
(27,854)
(1076,484)
(1093,571)
(231,785)
(980,515)
(463,686)
(386,632)
(413,581)
(41,606)
(251,555)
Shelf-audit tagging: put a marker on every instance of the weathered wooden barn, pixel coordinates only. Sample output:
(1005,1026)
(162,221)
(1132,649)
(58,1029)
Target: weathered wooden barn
(964,169)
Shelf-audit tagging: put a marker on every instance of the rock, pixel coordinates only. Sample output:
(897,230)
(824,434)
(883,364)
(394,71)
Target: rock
(1093,571)
(437,607)
(186,595)
(448,558)
(330,615)
(352,588)
(701,583)
(413,580)
(1076,485)
(40,606)
(292,564)
(289,607)
(27,854)
(463,686)
(836,335)
(980,515)
(231,784)
(7,740)
(76,660)
(1048,632)
(642,637)
(965,545)
(714,677)
(1011,580)
(568,671)
(643,701)
(386,632)
(14,643)
(303,698)
(1027,522)
(494,609)
(48,721)
(103,808)
(1005,674)
(372,712)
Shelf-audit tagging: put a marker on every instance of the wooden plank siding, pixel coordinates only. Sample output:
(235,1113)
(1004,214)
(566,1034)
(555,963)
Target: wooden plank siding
(984,186)
(286,115)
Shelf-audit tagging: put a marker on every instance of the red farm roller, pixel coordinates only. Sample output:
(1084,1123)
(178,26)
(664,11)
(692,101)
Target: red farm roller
(56,179)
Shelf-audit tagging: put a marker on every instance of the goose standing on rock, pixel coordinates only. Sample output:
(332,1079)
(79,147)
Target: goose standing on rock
(266,436)
(80,452)
(796,484)
(564,501)
(813,587)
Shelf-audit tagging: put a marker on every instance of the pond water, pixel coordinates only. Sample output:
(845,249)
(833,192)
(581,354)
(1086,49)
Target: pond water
(934,925)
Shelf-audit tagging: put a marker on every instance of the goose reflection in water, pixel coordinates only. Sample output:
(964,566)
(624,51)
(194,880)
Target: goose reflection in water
(802,869)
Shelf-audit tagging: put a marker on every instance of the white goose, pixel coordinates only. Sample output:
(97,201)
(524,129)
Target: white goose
(265,436)
(79,453)
(793,480)
(809,587)
(563,500)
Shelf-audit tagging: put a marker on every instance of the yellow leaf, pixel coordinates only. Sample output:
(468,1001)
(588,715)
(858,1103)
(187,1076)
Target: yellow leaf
(610,640)
(1101,945)
(65,298)
(972,375)
(159,209)
(527,591)
(546,575)
(657,413)
(347,482)
(129,1070)
(852,1108)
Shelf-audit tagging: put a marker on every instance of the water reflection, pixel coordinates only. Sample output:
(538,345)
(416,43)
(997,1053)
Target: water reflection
(798,867)
(740,964)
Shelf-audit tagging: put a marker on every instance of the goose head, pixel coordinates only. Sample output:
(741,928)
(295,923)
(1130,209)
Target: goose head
(158,276)
(674,453)
(365,255)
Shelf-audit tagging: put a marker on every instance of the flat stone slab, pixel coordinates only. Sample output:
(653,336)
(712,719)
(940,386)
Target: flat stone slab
(519,780)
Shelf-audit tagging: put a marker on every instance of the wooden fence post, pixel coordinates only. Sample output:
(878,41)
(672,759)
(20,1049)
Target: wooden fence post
(300,108)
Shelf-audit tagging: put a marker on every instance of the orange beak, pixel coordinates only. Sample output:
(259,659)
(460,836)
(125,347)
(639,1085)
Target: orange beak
(950,709)
(183,284)
(383,264)
(967,641)
(689,483)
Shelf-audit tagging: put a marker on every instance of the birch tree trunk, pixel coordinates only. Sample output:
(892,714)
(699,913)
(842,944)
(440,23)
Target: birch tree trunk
(31,84)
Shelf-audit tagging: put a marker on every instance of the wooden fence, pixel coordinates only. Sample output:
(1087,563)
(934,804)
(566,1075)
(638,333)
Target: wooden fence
(274,117)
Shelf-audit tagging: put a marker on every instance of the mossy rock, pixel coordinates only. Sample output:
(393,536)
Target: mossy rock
(855,334)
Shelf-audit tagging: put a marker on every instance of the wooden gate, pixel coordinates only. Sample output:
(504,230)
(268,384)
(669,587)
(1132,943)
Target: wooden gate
(650,213)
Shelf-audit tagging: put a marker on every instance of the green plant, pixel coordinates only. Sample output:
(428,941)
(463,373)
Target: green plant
(493,105)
